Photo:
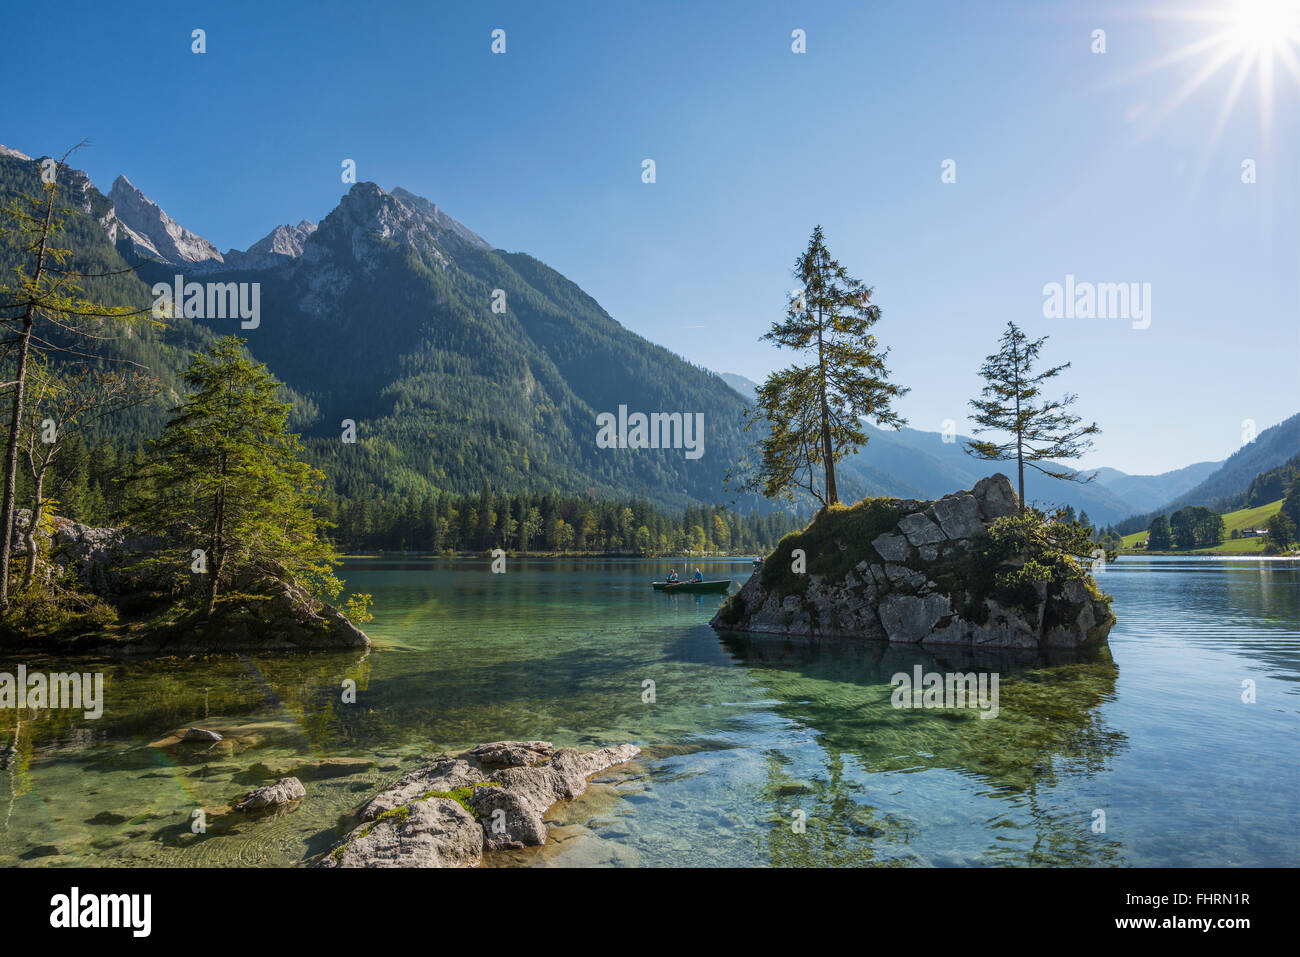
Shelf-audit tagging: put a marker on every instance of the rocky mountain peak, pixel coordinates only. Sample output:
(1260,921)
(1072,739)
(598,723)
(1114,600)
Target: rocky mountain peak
(283,244)
(368,215)
(154,233)
(444,222)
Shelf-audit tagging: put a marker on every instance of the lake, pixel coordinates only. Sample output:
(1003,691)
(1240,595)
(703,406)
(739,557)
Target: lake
(755,753)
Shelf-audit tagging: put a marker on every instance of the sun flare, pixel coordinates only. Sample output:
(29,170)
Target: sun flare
(1251,36)
(1264,25)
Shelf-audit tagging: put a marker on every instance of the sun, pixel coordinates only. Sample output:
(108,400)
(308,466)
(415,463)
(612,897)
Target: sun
(1262,26)
(1250,36)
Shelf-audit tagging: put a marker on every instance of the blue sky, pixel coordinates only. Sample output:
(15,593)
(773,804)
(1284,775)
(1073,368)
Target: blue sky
(1067,161)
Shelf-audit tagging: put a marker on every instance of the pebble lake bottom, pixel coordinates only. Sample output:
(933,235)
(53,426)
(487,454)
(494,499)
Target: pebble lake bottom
(755,753)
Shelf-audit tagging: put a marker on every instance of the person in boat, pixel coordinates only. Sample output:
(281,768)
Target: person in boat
(699,577)
(672,575)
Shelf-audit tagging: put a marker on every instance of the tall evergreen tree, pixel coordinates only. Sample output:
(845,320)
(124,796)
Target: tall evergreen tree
(813,412)
(227,477)
(1039,429)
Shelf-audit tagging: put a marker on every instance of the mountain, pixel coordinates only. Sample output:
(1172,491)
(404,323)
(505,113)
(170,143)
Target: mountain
(151,233)
(459,363)
(463,364)
(1273,447)
(277,247)
(746,387)
(97,239)
(1145,492)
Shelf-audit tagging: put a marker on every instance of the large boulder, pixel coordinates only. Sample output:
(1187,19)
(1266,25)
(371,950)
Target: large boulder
(447,813)
(443,775)
(525,794)
(106,561)
(914,580)
(436,832)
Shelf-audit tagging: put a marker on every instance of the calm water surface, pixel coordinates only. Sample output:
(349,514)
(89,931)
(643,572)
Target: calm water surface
(740,736)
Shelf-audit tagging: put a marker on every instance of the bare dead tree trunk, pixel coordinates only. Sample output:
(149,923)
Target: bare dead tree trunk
(38,513)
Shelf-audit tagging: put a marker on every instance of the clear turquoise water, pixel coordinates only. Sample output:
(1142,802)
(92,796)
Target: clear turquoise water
(739,738)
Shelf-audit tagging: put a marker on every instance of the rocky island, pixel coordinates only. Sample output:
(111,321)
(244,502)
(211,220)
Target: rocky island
(969,569)
(133,607)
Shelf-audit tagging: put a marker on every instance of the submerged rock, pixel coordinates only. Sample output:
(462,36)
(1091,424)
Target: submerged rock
(914,572)
(200,736)
(282,792)
(447,813)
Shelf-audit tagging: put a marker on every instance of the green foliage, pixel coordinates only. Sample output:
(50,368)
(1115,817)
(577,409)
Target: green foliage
(1291,504)
(1272,484)
(226,477)
(1281,530)
(51,607)
(835,541)
(1196,526)
(357,608)
(1159,535)
(813,412)
(461,795)
(548,523)
(1037,429)
(1023,554)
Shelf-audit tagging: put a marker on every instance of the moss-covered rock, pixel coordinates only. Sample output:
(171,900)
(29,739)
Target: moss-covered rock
(968,569)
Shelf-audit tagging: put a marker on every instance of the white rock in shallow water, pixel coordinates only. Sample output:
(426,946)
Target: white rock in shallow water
(437,832)
(512,753)
(280,793)
(201,736)
(421,825)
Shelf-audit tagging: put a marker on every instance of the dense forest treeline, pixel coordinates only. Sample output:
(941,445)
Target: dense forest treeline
(88,481)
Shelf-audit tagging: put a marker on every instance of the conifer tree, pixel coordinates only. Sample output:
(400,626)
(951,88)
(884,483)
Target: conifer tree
(227,477)
(1038,429)
(814,411)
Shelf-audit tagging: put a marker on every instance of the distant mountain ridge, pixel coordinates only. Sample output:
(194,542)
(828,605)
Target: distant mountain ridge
(459,363)
(911,463)
(386,315)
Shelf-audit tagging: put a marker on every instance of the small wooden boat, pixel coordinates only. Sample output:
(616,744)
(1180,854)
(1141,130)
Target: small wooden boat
(690,586)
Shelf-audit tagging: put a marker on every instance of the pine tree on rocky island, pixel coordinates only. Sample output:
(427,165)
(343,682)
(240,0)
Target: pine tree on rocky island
(1038,429)
(813,412)
(226,478)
